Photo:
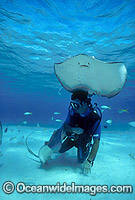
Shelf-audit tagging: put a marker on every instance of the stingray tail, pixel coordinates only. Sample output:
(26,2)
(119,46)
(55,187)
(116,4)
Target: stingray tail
(30,151)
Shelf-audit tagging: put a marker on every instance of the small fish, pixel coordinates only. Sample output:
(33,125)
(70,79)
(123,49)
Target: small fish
(56,113)
(12,138)
(28,113)
(105,126)
(24,122)
(132,156)
(109,121)
(52,118)
(122,111)
(106,107)
(102,110)
(58,120)
(6,129)
(132,124)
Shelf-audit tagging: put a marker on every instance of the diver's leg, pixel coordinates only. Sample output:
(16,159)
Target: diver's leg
(55,141)
(66,145)
(44,153)
(54,144)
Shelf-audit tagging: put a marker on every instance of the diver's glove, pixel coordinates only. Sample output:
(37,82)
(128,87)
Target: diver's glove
(87,165)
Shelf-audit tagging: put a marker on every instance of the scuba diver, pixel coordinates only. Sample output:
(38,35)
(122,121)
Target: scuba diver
(81,129)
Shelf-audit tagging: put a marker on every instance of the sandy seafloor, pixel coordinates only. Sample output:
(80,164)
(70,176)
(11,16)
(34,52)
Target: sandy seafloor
(114,164)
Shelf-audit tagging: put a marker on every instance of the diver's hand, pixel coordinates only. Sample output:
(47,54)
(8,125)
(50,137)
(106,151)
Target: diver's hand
(78,130)
(87,167)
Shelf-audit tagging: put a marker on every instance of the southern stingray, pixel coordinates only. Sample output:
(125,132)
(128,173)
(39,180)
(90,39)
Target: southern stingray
(92,75)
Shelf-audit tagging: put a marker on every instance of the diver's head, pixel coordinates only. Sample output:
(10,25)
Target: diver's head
(79,94)
(80,101)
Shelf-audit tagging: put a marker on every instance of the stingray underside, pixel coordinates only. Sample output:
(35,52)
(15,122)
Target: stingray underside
(89,74)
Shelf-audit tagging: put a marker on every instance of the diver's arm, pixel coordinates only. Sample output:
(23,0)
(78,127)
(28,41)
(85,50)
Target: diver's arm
(71,129)
(94,150)
(88,163)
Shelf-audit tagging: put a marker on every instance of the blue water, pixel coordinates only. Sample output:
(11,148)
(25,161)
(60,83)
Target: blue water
(35,34)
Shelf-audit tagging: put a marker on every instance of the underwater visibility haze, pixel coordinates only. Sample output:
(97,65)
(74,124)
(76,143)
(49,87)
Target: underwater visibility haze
(36,34)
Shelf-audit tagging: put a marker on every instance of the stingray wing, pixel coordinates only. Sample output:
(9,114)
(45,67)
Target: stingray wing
(89,74)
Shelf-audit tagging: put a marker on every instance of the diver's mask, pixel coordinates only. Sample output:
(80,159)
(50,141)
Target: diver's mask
(75,105)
